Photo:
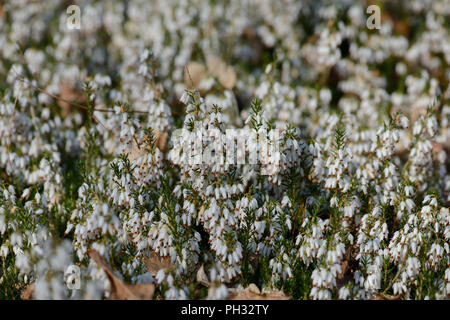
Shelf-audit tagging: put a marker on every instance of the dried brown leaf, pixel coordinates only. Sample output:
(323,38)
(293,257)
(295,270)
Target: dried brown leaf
(344,267)
(228,78)
(119,289)
(28,293)
(154,263)
(253,288)
(201,212)
(68,94)
(194,73)
(219,69)
(381,296)
(160,139)
(202,277)
(253,293)
(215,66)
(438,147)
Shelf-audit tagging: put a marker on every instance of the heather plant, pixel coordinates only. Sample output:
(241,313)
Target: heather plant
(202,149)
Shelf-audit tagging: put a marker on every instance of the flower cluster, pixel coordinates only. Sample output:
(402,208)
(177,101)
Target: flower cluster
(203,147)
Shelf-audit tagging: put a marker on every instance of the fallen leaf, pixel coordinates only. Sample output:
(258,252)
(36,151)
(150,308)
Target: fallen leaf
(28,293)
(438,147)
(223,72)
(251,37)
(135,152)
(253,288)
(381,296)
(202,277)
(400,26)
(68,94)
(154,263)
(344,267)
(160,139)
(253,293)
(215,65)
(194,73)
(228,78)
(201,212)
(119,289)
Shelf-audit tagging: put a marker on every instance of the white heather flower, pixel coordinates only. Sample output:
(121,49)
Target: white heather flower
(185,98)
